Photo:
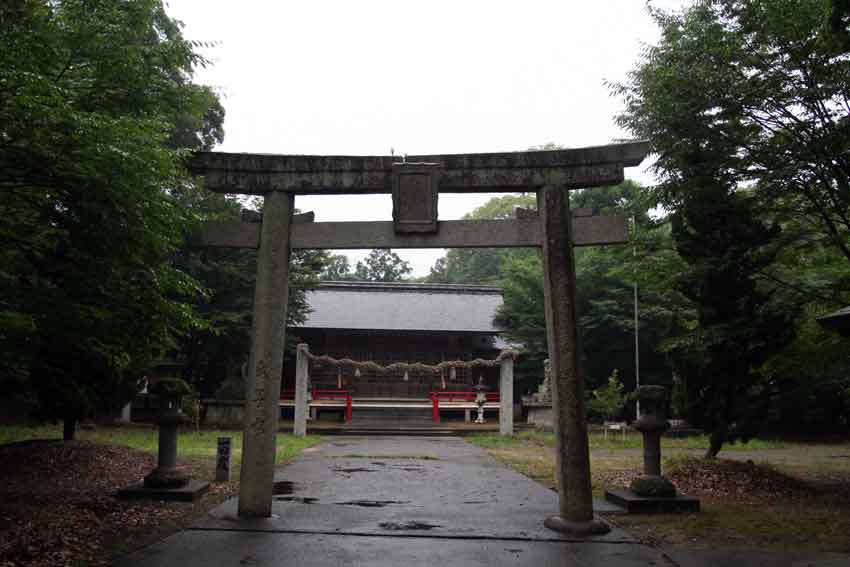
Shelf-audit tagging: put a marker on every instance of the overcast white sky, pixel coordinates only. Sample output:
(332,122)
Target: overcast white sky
(360,77)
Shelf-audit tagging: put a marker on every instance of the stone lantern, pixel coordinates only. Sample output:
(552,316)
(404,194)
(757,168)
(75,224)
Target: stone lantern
(166,481)
(652,424)
(166,475)
(651,492)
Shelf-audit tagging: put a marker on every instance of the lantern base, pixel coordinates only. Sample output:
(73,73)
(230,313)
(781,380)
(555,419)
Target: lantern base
(635,504)
(188,493)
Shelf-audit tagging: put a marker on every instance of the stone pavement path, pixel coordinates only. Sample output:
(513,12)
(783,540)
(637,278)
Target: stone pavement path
(395,501)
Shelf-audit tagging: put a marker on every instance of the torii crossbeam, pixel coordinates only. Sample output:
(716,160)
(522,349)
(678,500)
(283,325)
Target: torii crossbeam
(415,185)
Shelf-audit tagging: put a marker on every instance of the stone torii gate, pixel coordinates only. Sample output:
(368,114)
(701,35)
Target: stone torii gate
(415,185)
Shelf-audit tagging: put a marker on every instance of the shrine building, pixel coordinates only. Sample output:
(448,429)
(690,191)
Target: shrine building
(400,322)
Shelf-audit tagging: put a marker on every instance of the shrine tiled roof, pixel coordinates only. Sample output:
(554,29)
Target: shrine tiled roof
(403,307)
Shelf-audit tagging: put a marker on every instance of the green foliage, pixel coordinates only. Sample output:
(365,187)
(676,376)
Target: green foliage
(838,24)
(725,245)
(809,381)
(744,102)
(752,88)
(481,265)
(96,109)
(522,313)
(337,269)
(382,266)
(215,349)
(605,294)
(608,401)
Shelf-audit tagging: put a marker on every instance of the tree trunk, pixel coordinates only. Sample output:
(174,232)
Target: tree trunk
(69,429)
(715,441)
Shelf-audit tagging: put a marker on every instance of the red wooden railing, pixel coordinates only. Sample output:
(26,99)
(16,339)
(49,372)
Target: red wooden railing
(436,397)
(327,395)
(337,395)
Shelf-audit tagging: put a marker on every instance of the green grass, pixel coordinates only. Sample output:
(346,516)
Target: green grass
(191,445)
(616,441)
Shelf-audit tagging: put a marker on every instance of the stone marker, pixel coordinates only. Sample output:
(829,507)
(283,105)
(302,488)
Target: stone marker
(222,460)
(506,397)
(302,378)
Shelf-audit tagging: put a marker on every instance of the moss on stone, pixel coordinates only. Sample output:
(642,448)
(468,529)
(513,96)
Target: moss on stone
(653,487)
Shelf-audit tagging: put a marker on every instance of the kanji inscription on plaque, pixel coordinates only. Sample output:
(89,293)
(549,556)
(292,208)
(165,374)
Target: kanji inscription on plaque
(415,188)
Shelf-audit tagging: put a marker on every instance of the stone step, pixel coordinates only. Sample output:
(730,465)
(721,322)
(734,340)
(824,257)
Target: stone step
(394,415)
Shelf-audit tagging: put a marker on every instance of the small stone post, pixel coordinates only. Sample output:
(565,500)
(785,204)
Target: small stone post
(265,365)
(126,413)
(302,377)
(506,397)
(166,475)
(652,425)
(222,460)
(573,453)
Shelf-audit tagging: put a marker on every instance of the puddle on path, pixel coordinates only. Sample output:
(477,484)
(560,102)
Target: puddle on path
(408,526)
(353,469)
(372,503)
(283,487)
(301,499)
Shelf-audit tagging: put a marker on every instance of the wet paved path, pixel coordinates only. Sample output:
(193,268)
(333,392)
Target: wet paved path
(395,501)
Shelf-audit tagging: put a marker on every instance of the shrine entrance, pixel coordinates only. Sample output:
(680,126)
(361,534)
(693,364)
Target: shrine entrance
(415,185)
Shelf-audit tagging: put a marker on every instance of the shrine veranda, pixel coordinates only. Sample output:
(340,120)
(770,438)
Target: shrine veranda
(415,184)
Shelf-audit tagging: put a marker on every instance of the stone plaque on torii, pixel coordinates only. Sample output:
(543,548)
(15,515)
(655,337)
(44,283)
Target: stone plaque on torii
(415,186)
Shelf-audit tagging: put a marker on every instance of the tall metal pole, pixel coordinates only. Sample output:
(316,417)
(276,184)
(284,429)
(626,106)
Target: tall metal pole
(637,343)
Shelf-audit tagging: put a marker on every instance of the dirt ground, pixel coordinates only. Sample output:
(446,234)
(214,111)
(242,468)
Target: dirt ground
(57,504)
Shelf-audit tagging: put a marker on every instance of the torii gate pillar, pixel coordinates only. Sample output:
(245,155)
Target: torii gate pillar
(559,289)
(265,366)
